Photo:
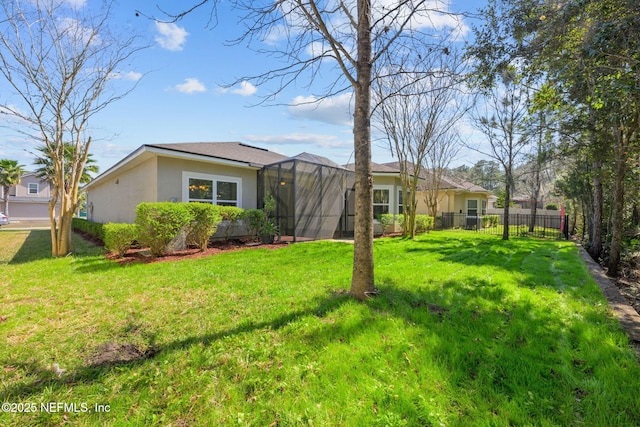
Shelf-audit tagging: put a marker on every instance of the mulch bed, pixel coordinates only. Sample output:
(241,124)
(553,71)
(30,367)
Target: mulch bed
(141,256)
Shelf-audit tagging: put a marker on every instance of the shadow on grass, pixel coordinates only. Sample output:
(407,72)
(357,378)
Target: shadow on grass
(37,246)
(47,380)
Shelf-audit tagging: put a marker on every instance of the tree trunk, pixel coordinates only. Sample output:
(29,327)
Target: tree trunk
(362,281)
(536,195)
(507,202)
(6,200)
(620,170)
(595,234)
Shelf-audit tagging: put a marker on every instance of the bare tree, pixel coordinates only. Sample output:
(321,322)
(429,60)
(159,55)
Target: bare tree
(59,63)
(350,38)
(501,118)
(418,112)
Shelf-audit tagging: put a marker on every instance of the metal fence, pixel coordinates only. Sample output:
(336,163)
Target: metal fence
(548,226)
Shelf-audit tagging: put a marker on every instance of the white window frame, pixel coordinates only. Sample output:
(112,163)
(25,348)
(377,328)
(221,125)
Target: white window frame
(186,175)
(29,188)
(390,189)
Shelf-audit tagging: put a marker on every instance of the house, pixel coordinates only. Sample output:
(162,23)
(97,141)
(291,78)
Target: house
(29,199)
(224,173)
(452,196)
(314,196)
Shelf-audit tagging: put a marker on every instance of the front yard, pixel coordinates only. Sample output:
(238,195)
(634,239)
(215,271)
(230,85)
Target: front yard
(468,330)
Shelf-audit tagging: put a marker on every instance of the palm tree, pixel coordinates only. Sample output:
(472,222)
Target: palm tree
(46,171)
(10,173)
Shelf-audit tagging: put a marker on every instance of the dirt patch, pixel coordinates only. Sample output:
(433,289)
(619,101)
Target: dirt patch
(113,353)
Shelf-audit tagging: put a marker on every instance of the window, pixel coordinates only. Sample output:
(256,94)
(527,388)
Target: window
(227,193)
(33,188)
(218,190)
(472,207)
(400,203)
(484,207)
(380,202)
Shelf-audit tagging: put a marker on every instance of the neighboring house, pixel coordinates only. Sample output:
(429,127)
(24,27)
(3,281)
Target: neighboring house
(454,196)
(29,199)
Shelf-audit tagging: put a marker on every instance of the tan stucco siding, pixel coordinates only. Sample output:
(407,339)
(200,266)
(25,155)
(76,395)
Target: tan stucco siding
(115,199)
(170,176)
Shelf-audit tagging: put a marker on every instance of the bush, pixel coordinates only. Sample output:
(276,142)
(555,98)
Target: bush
(256,220)
(423,223)
(205,218)
(118,238)
(95,229)
(230,213)
(551,207)
(159,223)
(385,221)
(490,221)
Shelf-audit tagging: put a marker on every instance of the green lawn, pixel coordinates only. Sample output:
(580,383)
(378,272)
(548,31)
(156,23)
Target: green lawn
(467,330)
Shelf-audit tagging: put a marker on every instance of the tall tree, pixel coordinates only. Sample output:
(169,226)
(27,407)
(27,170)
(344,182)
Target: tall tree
(60,61)
(501,117)
(418,115)
(353,38)
(10,174)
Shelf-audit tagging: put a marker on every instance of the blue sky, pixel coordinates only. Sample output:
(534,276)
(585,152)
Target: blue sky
(180,96)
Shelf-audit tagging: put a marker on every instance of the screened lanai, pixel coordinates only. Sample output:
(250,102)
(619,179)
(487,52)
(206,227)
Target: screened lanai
(311,194)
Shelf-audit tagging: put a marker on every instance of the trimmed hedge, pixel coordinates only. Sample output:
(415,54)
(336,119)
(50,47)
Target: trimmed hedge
(95,229)
(424,223)
(159,223)
(118,238)
(205,218)
(230,213)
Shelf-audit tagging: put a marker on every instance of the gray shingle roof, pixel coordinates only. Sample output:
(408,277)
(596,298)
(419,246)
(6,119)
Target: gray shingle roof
(235,151)
(377,168)
(446,182)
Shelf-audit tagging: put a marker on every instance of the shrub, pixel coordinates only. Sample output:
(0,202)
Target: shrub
(385,221)
(205,218)
(551,207)
(231,214)
(256,220)
(95,229)
(490,221)
(423,223)
(118,238)
(159,223)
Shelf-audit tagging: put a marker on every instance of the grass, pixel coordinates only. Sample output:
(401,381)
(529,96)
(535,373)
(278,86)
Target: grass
(468,330)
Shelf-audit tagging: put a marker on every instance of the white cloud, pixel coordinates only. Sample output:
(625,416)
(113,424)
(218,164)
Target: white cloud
(75,4)
(129,75)
(171,36)
(191,85)
(335,111)
(245,89)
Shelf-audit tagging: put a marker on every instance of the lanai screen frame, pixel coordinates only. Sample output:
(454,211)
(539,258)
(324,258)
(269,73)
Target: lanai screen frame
(311,197)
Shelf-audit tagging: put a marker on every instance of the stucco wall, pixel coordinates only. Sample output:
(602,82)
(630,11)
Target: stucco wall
(22,189)
(170,179)
(116,198)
